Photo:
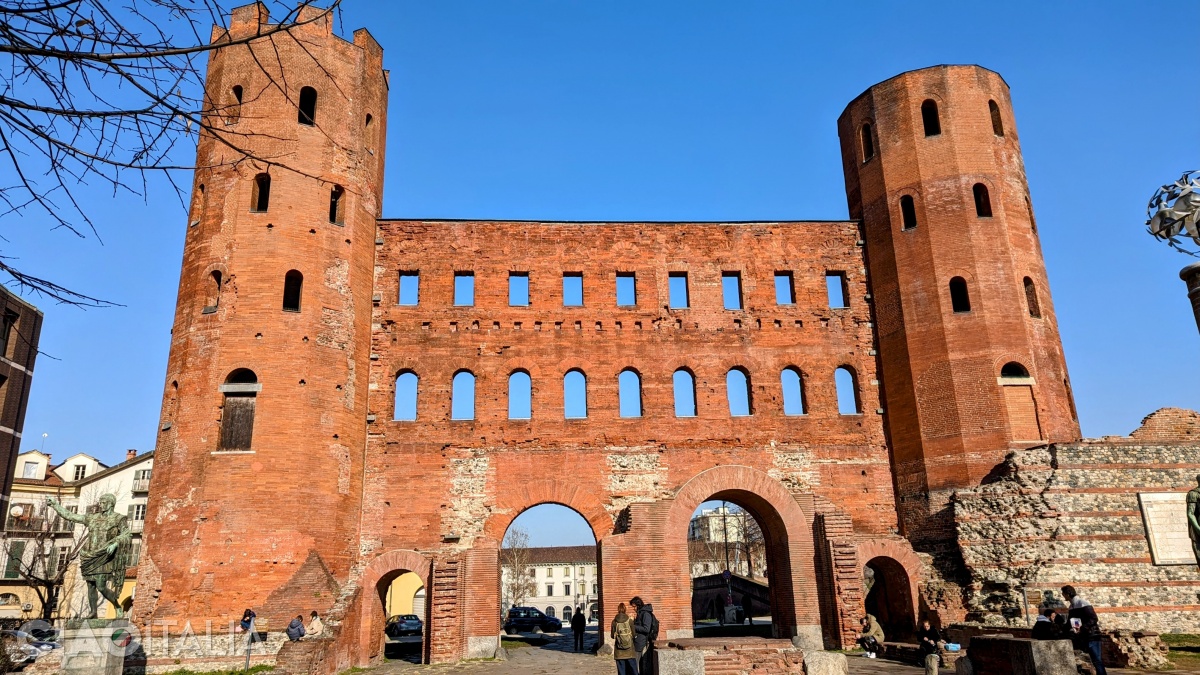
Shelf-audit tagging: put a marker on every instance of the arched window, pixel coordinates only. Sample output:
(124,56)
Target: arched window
(629,386)
(235,107)
(846,382)
(868,142)
(737,388)
(908,213)
(1013,369)
(685,393)
(1031,299)
(575,395)
(550,612)
(214,292)
(308,106)
(462,396)
(9,599)
(406,396)
(369,120)
(997,123)
(960,299)
(793,391)
(983,203)
(237,410)
(260,193)
(337,203)
(293,282)
(520,396)
(929,117)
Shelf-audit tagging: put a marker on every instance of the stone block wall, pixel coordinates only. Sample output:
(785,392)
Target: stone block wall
(1069,514)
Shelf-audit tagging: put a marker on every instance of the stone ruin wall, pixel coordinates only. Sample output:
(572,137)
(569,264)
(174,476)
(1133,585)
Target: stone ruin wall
(1069,513)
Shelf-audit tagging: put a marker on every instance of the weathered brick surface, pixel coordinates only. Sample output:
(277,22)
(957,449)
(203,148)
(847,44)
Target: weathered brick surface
(16,377)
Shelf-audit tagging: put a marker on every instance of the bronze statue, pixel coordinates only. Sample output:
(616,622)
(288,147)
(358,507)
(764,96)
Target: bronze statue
(1193,518)
(105,552)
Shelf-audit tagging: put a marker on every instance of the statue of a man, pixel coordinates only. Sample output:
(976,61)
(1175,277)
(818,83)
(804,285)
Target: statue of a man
(105,551)
(1193,518)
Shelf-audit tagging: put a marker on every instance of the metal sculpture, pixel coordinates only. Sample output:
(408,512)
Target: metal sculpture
(1174,212)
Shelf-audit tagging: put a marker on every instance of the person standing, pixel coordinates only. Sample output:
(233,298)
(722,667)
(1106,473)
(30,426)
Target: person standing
(1087,634)
(645,634)
(929,639)
(315,626)
(748,608)
(578,626)
(623,643)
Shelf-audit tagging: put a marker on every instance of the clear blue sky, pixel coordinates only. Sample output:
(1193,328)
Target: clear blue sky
(699,110)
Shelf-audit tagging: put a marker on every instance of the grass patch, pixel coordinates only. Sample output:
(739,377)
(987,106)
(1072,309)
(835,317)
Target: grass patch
(354,671)
(1174,640)
(513,644)
(262,668)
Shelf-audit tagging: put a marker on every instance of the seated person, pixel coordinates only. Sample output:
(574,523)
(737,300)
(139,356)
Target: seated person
(871,638)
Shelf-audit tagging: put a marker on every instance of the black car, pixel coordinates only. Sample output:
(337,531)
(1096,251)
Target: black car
(403,625)
(530,620)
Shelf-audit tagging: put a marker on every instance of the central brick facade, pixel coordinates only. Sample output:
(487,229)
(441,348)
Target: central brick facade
(291,476)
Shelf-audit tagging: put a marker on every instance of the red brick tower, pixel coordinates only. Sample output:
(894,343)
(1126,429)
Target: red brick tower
(969,350)
(257,481)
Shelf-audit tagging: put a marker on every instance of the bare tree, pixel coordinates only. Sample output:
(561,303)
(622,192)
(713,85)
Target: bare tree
(112,93)
(516,568)
(39,547)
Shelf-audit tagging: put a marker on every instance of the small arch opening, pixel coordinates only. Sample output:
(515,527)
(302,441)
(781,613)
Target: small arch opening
(462,396)
(629,386)
(930,119)
(908,213)
(983,201)
(845,380)
(293,282)
(1031,299)
(369,120)
(575,395)
(337,201)
(237,410)
(868,142)
(684,383)
(405,404)
(214,290)
(889,597)
(234,112)
(308,106)
(520,396)
(241,376)
(260,193)
(997,122)
(1012,369)
(737,387)
(792,382)
(960,298)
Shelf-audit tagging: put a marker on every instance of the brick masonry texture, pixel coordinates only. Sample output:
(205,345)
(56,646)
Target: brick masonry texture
(335,498)
(20,350)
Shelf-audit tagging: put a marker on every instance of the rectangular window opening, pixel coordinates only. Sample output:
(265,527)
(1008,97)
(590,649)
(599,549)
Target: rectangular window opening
(626,289)
(572,289)
(731,289)
(837,289)
(410,286)
(785,289)
(518,289)
(677,290)
(464,289)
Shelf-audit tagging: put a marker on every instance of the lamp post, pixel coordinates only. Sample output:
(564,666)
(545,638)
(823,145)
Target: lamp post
(1174,213)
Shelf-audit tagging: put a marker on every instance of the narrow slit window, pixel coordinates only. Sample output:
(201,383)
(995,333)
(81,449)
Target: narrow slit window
(793,391)
(1029,210)
(308,106)
(214,290)
(626,289)
(731,289)
(464,289)
(240,393)
(260,193)
(837,290)
(997,123)
(405,404)
(235,107)
(293,282)
(462,396)
(908,213)
(1031,299)
(868,142)
(737,388)
(410,288)
(572,289)
(520,396)
(785,289)
(518,289)
(983,202)
(677,290)
(685,393)
(960,298)
(337,205)
(930,119)
(575,395)
(846,382)
(629,386)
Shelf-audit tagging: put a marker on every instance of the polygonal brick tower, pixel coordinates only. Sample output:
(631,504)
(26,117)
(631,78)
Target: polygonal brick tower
(970,356)
(257,481)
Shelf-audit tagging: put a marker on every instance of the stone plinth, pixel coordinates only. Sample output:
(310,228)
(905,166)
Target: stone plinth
(1018,656)
(98,650)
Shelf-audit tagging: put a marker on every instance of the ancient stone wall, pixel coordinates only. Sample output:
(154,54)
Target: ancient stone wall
(1069,514)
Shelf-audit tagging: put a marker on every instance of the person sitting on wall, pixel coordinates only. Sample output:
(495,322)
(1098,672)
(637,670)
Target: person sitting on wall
(315,626)
(1048,627)
(295,629)
(929,638)
(871,638)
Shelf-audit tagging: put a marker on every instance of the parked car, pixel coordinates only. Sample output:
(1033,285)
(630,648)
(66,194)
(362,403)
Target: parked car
(403,625)
(32,639)
(530,620)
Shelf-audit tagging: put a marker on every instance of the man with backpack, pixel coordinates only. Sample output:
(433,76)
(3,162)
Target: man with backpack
(622,636)
(645,634)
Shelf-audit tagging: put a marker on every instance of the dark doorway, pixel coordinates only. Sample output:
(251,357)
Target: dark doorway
(889,597)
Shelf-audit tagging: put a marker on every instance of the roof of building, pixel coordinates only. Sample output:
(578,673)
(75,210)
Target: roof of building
(562,555)
(118,467)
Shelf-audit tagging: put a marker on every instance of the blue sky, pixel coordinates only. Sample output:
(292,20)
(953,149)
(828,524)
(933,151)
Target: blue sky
(696,110)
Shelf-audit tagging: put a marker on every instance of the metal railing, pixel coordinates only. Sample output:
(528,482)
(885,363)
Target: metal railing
(56,525)
(137,525)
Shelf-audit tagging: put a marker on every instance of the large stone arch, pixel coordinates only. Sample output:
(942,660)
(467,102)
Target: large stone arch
(903,570)
(786,527)
(379,572)
(515,500)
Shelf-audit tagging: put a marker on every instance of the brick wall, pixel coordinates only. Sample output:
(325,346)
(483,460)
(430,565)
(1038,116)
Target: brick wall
(24,326)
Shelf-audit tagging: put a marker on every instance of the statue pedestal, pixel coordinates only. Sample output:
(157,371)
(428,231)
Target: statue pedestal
(1191,276)
(96,647)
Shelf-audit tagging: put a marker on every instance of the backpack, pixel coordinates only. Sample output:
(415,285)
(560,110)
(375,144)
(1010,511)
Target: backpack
(653,636)
(624,632)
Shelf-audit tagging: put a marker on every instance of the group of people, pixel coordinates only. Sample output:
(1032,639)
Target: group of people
(1077,622)
(634,638)
(296,628)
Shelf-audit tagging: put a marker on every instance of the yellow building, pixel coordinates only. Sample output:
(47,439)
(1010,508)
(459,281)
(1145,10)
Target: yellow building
(406,596)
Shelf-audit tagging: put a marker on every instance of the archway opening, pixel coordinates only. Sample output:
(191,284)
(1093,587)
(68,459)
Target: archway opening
(550,580)
(405,630)
(889,597)
(730,546)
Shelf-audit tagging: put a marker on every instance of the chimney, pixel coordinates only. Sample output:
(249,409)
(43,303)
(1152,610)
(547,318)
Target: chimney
(130,454)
